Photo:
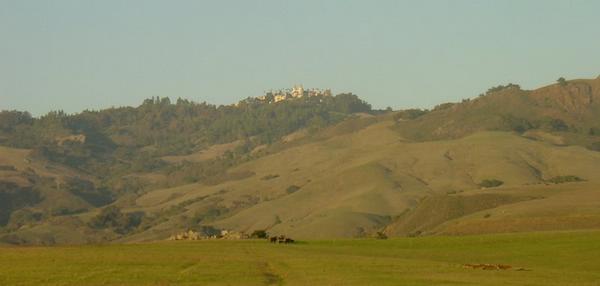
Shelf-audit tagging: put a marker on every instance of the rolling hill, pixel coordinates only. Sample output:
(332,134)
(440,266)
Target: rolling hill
(510,160)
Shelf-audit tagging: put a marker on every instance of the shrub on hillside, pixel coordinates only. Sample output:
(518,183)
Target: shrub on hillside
(555,124)
(61,211)
(490,183)
(517,124)
(259,234)
(409,114)
(594,131)
(443,106)
(270,177)
(292,189)
(595,146)
(7,168)
(381,235)
(561,81)
(23,217)
(414,233)
(502,87)
(565,179)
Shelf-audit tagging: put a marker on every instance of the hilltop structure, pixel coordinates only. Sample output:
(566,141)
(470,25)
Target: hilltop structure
(297,91)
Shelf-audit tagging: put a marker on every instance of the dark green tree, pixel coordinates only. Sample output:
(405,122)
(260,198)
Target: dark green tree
(561,81)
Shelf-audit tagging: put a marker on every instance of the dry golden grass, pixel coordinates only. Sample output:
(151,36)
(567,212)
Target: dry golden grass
(352,183)
(211,152)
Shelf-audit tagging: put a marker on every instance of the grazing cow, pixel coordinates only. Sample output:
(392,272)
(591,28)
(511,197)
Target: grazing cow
(281,239)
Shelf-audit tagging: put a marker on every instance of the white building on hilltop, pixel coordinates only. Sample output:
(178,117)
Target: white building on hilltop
(297,91)
(279,97)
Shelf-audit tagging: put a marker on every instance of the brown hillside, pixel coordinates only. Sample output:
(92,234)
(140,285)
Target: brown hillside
(570,110)
(423,174)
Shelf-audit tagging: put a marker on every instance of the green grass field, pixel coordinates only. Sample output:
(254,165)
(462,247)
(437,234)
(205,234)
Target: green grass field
(549,258)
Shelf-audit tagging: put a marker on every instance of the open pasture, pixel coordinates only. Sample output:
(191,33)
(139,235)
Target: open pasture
(544,258)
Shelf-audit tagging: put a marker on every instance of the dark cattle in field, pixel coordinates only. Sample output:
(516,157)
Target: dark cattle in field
(280,239)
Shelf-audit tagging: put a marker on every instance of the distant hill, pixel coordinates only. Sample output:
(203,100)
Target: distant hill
(310,167)
(569,111)
(69,164)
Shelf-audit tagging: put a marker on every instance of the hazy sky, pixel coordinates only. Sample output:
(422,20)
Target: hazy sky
(77,54)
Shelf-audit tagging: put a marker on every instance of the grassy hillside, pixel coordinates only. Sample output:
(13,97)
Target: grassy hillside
(546,258)
(510,160)
(71,165)
(568,111)
(351,186)
(26,182)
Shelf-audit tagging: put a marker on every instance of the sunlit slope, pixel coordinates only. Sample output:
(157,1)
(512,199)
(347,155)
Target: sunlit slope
(357,183)
(570,111)
(553,207)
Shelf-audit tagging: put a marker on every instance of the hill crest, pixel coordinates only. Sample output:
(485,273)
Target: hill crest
(314,167)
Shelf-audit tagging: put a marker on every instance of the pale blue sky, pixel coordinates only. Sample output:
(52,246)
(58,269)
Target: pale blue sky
(72,55)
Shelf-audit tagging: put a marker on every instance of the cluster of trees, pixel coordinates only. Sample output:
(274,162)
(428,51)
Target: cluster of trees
(409,114)
(565,179)
(174,128)
(112,218)
(87,191)
(502,87)
(443,106)
(112,143)
(119,141)
(520,124)
(260,234)
(14,197)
